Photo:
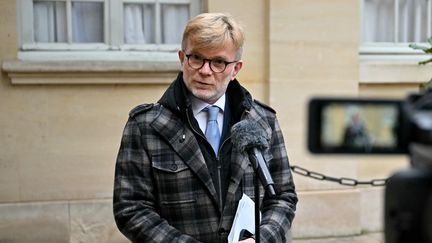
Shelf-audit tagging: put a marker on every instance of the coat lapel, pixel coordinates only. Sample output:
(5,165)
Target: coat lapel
(241,160)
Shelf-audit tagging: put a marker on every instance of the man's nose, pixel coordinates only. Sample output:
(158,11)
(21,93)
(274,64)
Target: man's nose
(206,69)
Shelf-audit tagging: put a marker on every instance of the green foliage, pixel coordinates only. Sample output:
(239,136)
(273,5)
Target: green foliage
(425,49)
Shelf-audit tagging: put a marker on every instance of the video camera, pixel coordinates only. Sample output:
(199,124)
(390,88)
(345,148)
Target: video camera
(384,126)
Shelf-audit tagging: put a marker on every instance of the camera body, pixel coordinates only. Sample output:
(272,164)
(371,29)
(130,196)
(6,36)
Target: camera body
(382,126)
(408,207)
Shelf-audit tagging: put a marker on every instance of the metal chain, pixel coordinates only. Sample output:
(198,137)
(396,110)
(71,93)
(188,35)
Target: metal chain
(343,180)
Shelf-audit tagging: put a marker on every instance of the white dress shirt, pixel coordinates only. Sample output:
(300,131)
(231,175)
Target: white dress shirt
(198,109)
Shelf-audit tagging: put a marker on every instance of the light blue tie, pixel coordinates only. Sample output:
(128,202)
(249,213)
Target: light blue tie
(212,131)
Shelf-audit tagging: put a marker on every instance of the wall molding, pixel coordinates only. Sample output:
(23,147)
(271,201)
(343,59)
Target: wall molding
(90,72)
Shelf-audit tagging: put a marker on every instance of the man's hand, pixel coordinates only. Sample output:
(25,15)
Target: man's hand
(248,240)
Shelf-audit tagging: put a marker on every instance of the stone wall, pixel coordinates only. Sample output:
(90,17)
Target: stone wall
(61,124)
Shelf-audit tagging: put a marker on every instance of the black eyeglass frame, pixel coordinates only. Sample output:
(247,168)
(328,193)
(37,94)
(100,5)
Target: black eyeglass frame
(210,63)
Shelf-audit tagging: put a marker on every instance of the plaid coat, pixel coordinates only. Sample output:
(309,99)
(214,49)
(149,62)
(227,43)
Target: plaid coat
(163,190)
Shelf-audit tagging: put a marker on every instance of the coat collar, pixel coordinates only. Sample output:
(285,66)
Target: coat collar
(176,98)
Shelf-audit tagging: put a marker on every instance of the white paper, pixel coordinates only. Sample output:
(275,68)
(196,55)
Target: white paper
(244,219)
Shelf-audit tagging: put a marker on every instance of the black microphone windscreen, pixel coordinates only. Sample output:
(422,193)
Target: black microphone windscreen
(248,134)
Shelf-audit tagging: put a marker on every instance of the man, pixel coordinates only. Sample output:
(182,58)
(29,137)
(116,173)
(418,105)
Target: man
(356,135)
(172,183)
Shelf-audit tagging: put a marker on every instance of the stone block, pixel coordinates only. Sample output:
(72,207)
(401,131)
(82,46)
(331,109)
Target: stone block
(372,209)
(327,213)
(93,221)
(34,222)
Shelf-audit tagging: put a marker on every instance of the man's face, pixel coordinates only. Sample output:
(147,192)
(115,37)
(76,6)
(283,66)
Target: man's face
(203,83)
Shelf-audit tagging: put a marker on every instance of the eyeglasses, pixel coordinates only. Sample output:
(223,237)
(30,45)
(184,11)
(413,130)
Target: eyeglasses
(216,65)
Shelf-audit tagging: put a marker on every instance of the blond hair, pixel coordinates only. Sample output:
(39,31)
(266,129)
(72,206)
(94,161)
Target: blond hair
(212,31)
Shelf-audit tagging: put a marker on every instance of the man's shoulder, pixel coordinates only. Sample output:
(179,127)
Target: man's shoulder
(142,109)
(265,106)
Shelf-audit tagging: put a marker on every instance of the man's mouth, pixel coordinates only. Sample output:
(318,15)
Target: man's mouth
(201,83)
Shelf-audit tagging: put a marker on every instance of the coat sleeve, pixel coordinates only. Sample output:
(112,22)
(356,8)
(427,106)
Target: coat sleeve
(134,199)
(278,212)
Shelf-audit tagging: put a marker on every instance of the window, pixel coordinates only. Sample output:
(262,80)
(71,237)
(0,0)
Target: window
(82,29)
(387,29)
(389,25)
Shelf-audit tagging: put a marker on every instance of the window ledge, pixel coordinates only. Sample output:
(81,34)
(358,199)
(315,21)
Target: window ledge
(394,69)
(90,72)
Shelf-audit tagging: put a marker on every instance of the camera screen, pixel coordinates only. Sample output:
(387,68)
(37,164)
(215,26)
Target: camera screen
(354,126)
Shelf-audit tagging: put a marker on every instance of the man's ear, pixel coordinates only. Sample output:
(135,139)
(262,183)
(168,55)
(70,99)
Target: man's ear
(181,56)
(238,66)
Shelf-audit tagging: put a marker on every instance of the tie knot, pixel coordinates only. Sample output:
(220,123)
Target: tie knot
(213,112)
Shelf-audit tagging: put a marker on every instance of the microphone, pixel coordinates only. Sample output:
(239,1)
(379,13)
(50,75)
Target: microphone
(249,137)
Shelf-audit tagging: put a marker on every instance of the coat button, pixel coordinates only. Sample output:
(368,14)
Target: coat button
(183,138)
(174,167)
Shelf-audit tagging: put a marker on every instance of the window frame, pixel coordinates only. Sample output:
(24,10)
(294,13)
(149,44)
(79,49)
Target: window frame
(113,46)
(395,47)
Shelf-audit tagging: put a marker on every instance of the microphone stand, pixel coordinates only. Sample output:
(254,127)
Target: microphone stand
(257,160)
(257,206)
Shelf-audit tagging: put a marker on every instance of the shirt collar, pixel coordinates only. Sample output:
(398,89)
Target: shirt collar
(198,105)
